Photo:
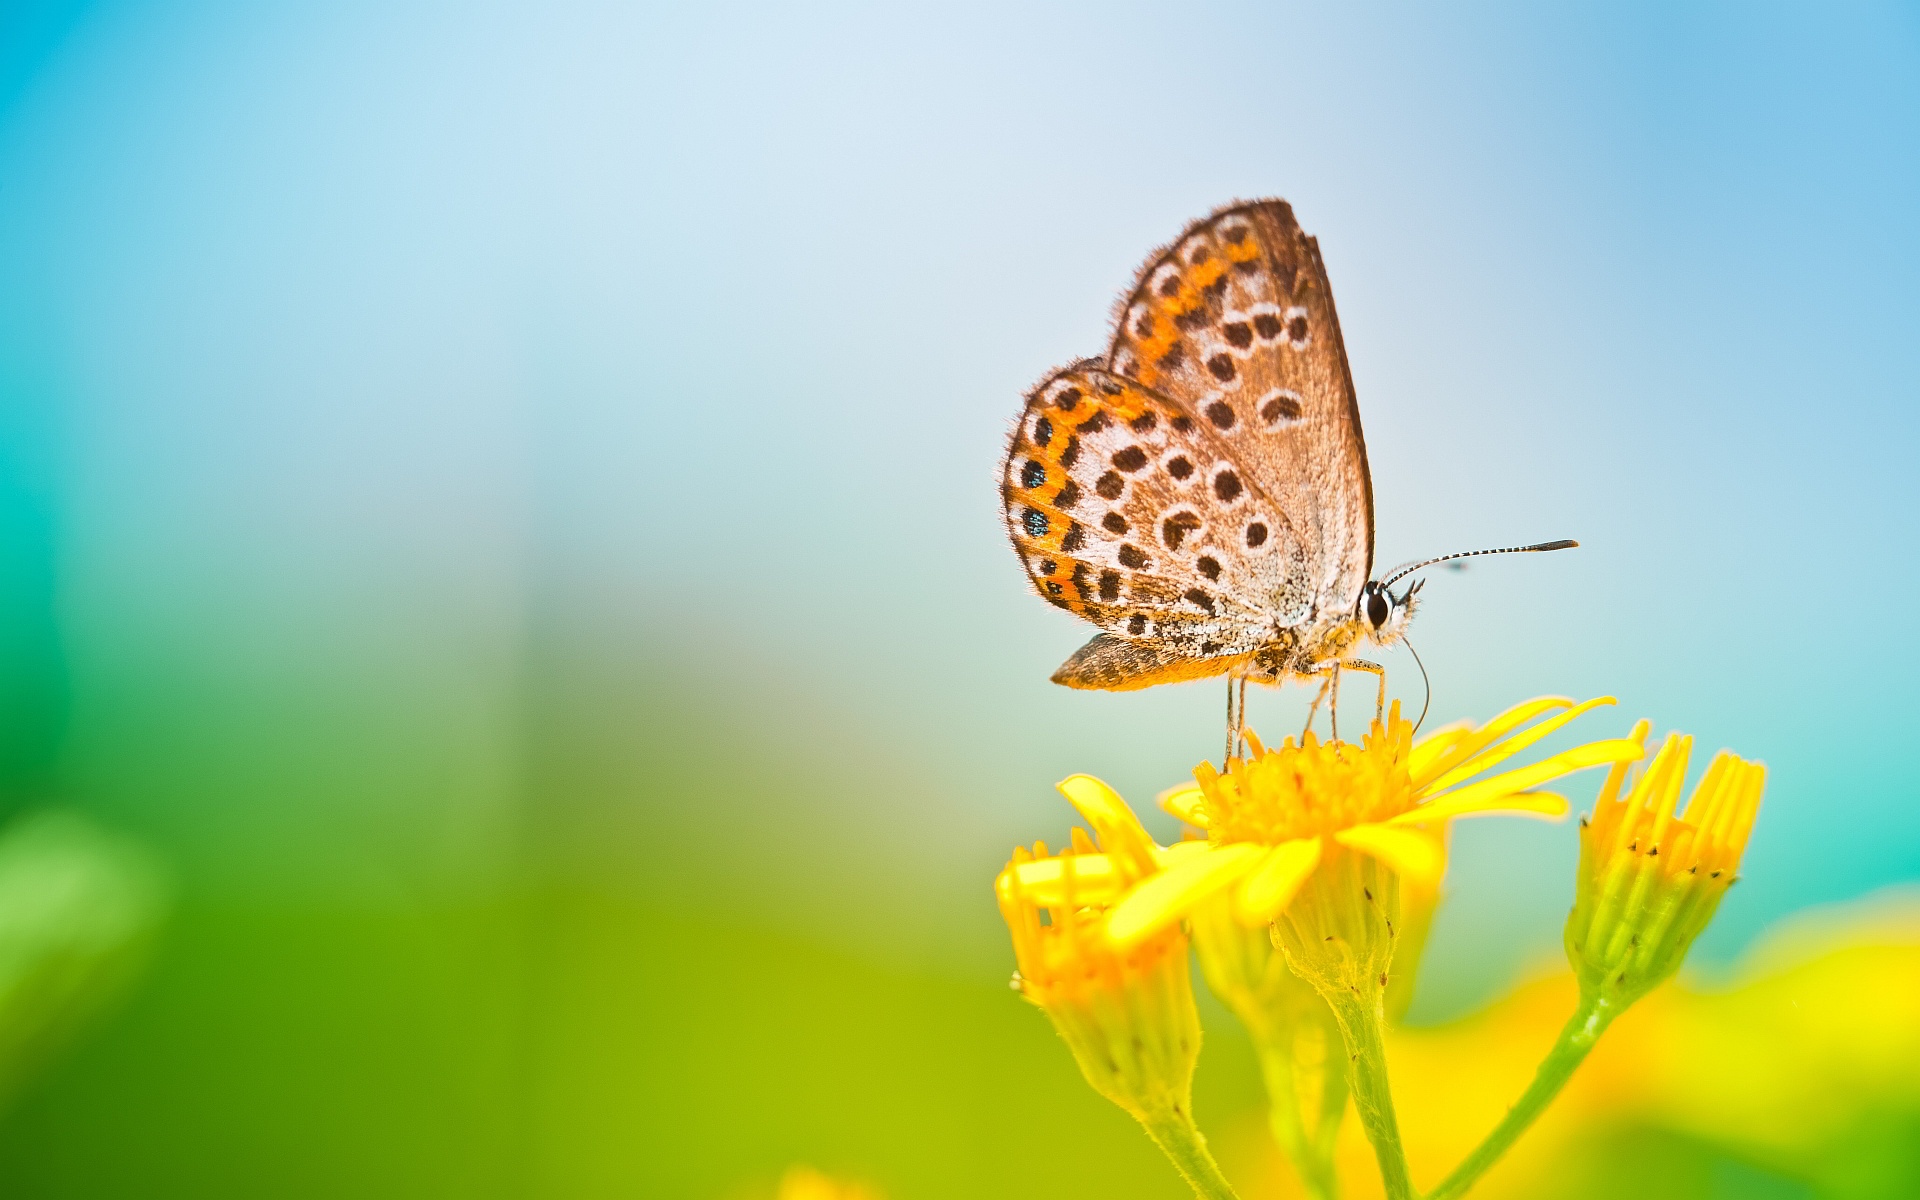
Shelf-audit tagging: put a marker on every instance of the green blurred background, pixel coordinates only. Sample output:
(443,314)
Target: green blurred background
(499,501)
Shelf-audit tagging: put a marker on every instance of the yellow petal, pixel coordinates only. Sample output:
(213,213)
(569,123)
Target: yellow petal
(1428,749)
(1593,754)
(1416,856)
(1120,831)
(1187,802)
(1538,804)
(1425,767)
(1610,790)
(1269,886)
(1051,882)
(1163,899)
(1498,752)
(1181,851)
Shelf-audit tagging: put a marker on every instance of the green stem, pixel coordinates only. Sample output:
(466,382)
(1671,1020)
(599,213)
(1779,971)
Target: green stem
(1589,1021)
(1181,1141)
(1333,1102)
(1361,1024)
(1311,1152)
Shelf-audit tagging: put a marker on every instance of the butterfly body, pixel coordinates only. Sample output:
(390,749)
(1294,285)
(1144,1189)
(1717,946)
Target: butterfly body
(1201,493)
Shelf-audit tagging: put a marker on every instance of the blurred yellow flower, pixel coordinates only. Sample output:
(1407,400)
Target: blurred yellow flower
(1802,1070)
(1276,814)
(1127,1014)
(1650,879)
(804,1183)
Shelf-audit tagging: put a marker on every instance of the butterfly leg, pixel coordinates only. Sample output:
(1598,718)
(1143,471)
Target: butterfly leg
(1314,709)
(1233,722)
(1240,720)
(1333,700)
(1372,668)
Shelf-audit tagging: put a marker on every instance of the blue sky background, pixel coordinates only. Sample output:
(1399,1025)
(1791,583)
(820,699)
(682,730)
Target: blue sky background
(390,375)
(706,325)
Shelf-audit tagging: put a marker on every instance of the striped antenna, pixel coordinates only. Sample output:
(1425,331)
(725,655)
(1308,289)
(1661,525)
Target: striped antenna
(1403,572)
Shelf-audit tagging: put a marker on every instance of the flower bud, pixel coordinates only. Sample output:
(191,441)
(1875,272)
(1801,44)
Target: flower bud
(1127,1013)
(1650,879)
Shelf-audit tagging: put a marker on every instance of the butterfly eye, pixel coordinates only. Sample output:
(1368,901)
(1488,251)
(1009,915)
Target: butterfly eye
(1377,607)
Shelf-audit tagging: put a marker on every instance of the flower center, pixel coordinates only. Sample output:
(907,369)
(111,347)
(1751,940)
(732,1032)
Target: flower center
(1310,790)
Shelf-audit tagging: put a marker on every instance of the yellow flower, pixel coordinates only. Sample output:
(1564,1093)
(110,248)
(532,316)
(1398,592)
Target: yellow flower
(1649,879)
(1278,816)
(1127,1013)
(804,1183)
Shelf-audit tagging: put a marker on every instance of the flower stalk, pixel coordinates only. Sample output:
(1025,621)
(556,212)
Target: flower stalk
(1569,1050)
(1181,1141)
(1649,881)
(1338,935)
(1362,1024)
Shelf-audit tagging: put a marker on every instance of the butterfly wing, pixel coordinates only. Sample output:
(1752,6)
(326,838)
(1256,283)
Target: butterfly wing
(1234,322)
(1110,494)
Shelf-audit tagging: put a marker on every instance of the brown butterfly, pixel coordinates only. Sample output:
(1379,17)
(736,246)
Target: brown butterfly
(1201,493)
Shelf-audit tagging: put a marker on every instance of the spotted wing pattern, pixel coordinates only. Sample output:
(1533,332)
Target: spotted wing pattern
(1129,511)
(1234,322)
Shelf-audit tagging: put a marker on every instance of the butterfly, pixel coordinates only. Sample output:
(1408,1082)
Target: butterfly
(1201,493)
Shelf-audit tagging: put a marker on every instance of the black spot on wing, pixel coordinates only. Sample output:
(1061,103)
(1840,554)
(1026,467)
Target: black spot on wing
(1080,585)
(1175,528)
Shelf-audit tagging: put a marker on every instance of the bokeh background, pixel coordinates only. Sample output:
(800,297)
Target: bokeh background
(501,500)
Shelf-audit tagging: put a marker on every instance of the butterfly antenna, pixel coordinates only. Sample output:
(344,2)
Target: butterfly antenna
(1424,682)
(1402,572)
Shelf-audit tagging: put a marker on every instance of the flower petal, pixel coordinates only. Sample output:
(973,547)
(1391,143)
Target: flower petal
(1090,878)
(1430,748)
(1187,802)
(1474,795)
(1120,831)
(1427,766)
(1499,751)
(1537,804)
(1416,856)
(1181,851)
(1163,899)
(1269,887)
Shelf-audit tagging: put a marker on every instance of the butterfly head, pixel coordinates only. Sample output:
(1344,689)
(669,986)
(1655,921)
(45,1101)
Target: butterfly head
(1383,614)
